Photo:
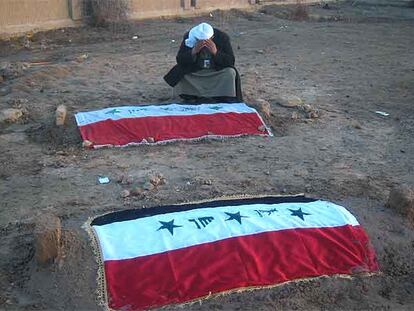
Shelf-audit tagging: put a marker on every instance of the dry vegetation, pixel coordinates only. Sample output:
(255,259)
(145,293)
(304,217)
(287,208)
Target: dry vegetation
(300,12)
(106,12)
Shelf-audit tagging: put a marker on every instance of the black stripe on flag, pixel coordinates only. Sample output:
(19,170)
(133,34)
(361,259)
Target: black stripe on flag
(148,212)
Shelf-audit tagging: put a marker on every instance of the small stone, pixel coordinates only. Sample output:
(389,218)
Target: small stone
(290,102)
(355,124)
(207,182)
(401,199)
(312,115)
(1,79)
(264,107)
(87,144)
(294,115)
(157,180)
(260,51)
(262,128)
(151,140)
(307,108)
(82,58)
(125,193)
(10,115)
(47,239)
(60,115)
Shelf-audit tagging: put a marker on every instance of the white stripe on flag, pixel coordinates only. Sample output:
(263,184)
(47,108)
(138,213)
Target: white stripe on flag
(142,236)
(116,113)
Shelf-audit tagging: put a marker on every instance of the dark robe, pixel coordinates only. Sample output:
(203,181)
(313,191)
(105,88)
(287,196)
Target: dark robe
(186,63)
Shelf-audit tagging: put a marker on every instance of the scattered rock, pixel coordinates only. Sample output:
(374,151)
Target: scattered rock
(260,51)
(207,182)
(264,107)
(310,111)
(27,43)
(312,114)
(10,115)
(125,193)
(87,144)
(82,58)
(47,239)
(307,108)
(60,115)
(12,70)
(401,199)
(290,102)
(294,115)
(157,180)
(151,140)
(356,124)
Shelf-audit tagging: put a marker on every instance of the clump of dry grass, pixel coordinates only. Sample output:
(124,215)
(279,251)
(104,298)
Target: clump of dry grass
(107,12)
(300,12)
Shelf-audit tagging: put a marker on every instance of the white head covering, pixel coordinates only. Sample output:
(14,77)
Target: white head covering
(203,31)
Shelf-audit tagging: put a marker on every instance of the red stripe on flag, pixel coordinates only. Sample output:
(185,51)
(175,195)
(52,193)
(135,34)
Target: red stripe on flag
(254,260)
(123,131)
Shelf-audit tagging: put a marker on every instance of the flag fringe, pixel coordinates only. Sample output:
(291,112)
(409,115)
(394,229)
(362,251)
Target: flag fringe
(254,288)
(170,141)
(101,291)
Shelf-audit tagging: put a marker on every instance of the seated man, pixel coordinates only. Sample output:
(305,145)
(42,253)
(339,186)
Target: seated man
(205,67)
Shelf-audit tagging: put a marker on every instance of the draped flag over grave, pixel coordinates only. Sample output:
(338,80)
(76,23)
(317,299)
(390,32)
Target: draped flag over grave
(122,126)
(174,254)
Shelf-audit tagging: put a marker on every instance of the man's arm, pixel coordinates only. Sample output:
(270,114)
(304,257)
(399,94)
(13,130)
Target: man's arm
(225,56)
(185,56)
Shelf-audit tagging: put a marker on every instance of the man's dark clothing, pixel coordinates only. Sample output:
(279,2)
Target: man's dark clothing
(187,64)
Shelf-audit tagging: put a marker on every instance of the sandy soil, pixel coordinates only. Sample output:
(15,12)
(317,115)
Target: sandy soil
(346,61)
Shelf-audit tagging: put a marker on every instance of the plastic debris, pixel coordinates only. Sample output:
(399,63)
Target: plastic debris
(103,180)
(382,113)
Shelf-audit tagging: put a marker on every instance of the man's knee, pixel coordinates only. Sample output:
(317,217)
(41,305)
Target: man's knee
(231,71)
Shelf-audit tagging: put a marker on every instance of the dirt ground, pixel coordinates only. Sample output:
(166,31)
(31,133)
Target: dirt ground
(347,60)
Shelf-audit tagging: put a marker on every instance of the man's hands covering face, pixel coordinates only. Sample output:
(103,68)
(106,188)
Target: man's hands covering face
(209,44)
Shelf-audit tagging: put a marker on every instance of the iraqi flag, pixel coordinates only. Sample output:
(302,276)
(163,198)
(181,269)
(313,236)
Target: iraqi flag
(175,254)
(133,125)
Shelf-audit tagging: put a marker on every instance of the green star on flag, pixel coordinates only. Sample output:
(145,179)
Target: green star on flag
(113,111)
(298,213)
(169,225)
(216,107)
(235,216)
